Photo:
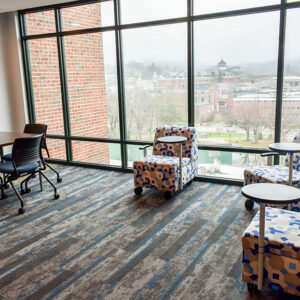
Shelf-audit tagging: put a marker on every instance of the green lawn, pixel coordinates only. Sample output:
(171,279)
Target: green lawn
(243,142)
(221,134)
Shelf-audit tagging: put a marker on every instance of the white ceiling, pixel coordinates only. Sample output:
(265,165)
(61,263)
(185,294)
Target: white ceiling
(11,5)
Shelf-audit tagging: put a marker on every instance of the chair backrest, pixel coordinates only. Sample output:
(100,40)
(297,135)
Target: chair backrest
(27,150)
(189,148)
(38,129)
(296,159)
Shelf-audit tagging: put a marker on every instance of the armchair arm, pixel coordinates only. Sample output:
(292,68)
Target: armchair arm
(269,155)
(145,149)
(266,154)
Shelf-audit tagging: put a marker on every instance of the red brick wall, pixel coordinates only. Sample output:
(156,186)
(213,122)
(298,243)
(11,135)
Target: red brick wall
(85,81)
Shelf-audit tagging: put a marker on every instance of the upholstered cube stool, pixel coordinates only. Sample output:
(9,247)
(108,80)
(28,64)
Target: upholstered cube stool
(282,251)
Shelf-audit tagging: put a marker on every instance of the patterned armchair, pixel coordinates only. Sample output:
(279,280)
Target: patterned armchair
(161,169)
(275,174)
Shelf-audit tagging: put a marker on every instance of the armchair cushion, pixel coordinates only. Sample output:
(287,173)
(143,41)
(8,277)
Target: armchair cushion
(159,162)
(281,233)
(271,174)
(161,176)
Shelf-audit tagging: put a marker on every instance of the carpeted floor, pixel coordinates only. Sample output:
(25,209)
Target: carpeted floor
(100,241)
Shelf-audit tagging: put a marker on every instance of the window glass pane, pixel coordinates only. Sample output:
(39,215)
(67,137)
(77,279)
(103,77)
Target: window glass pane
(135,153)
(40,22)
(213,6)
(98,153)
(46,84)
(235,79)
(229,165)
(290,121)
(133,11)
(57,149)
(88,16)
(155,79)
(92,84)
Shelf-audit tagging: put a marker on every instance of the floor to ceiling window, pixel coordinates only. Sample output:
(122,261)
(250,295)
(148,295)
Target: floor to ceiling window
(103,75)
(235,88)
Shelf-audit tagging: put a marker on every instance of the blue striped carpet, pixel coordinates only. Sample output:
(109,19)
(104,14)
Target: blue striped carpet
(100,241)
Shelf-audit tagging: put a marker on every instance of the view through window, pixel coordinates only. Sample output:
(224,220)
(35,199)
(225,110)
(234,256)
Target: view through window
(120,95)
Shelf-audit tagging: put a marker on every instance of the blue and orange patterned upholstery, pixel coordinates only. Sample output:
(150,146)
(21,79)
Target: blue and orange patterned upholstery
(277,174)
(161,169)
(282,251)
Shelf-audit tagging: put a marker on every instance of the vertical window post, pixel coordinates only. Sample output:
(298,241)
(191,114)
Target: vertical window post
(280,73)
(120,75)
(190,57)
(64,87)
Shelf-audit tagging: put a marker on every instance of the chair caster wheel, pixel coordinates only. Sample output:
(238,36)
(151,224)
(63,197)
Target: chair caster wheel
(4,196)
(249,204)
(59,180)
(28,190)
(251,287)
(138,190)
(167,195)
(21,211)
(56,196)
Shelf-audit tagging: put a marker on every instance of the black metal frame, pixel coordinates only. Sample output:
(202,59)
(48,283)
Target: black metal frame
(117,28)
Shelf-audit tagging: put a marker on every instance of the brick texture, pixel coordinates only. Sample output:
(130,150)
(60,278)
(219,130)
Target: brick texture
(85,82)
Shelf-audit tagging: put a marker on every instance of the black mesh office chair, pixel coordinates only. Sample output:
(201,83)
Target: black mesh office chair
(35,129)
(26,160)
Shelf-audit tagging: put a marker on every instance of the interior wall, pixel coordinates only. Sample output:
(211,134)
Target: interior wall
(13,108)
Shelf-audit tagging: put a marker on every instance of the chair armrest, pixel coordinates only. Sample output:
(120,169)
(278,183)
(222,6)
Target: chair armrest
(266,154)
(269,155)
(145,149)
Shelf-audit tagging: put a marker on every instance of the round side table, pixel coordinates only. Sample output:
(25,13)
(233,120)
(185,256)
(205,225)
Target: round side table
(268,193)
(291,148)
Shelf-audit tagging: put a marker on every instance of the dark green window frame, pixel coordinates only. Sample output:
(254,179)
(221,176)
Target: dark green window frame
(117,28)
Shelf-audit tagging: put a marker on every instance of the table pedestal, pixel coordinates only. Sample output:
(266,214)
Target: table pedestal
(180,165)
(291,169)
(261,245)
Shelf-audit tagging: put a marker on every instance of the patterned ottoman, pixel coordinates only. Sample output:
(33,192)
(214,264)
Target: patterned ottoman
(282,251)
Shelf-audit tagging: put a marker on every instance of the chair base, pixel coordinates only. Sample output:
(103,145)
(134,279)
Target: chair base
(167,195)
(21,211)
(252,287)
(249,204)
(10,180)
(138,190)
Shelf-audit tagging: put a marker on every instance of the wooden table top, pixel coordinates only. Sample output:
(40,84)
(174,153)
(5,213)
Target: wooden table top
(8,138)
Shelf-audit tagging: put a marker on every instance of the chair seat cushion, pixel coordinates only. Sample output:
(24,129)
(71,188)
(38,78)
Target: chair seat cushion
(159,162)
(271,174)
(8,168)
(7,157)
(282,233)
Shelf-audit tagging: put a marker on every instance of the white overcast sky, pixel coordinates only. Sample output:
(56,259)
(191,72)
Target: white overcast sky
(238,40)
